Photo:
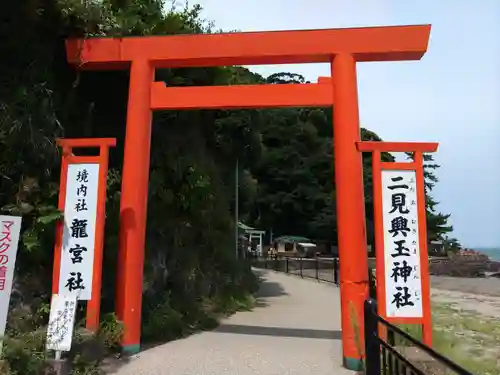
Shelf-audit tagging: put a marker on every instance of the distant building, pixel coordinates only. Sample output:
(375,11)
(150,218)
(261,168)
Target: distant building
(436,247)
(295,245)
(251,237)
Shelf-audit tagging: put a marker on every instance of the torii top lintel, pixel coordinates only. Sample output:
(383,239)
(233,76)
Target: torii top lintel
(388,43)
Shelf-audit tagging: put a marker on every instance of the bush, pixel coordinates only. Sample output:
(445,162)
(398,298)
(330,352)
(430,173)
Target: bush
(24,352)
(174,313)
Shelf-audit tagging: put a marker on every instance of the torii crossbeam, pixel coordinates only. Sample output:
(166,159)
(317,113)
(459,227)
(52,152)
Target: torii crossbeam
(343,48)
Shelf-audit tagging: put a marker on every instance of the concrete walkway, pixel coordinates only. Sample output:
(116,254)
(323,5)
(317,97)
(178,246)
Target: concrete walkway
(294,330)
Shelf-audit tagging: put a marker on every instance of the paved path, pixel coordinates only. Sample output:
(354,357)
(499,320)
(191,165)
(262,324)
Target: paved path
(294,330)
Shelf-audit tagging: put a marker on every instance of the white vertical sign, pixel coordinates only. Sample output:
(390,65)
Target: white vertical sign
(61,322)
(403,281)
(10,227)
(80,216)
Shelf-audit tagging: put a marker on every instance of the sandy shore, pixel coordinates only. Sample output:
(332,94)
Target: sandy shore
(478,295)
(485,286)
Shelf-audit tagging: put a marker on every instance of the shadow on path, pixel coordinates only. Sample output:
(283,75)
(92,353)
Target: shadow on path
(270,289)
(280,332)
(267,289)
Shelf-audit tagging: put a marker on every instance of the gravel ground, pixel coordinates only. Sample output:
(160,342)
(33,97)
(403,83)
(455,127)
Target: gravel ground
(294,330)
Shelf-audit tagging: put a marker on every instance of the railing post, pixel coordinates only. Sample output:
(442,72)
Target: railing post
(300,265)
(372,284)
(391,337)
(317,269)
(336,271)
(372,344)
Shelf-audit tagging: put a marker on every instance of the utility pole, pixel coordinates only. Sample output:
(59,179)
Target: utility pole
(236,207)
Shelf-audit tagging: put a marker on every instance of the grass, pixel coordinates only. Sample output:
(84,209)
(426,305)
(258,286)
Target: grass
(467,338)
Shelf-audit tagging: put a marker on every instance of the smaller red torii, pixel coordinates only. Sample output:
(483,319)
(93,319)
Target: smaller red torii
(68,145)
(416,165)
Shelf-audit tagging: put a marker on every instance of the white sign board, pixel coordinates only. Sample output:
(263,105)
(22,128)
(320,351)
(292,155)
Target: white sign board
(80,215)
(403,282)
(61,322)
(10,227)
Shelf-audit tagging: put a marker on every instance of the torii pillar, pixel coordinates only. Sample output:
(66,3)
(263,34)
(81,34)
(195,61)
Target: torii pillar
(343,48)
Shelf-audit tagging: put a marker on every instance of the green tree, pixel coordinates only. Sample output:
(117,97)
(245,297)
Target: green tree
(452,244)
(296,174)
(285,78)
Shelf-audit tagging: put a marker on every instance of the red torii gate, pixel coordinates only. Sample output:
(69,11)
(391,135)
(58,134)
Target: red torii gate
(343,48)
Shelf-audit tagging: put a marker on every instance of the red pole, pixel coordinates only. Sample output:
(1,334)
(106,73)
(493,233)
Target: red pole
(350,209)
(424,255)
(66,151)
(133,206)
(379,238)
(94,305)
(379,230)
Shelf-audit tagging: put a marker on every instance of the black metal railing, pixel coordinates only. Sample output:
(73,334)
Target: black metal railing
(321,269)
(400,353)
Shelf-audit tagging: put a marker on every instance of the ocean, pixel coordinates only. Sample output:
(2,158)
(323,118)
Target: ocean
(492,252)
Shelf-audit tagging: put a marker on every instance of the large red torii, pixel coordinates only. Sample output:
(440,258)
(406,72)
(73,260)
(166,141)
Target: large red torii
(343,48)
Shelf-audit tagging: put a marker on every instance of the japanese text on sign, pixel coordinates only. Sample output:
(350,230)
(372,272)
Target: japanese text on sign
(80,210)
(61,321)
(10,226)
(403,282)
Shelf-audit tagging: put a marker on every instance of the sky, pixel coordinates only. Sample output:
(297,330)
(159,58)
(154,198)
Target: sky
(451,96)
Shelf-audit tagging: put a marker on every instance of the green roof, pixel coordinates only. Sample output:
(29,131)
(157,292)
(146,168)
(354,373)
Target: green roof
(248,228)
(292,239)
(244,226)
